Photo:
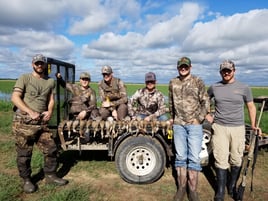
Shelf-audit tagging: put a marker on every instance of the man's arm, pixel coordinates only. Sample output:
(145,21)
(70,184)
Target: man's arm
(252,113)
(16,99)
(51,102)
(123,94)
(60,80)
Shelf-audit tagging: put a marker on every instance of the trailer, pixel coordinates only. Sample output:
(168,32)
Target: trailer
(141,150)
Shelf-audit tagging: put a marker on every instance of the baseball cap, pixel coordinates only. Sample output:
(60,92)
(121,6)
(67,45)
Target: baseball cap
(227,64)
(106,69)
(85,75)
(39,57)
(150,77)
(184,61)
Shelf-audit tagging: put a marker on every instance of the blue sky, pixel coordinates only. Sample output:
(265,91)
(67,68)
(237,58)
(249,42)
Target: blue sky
(135,37)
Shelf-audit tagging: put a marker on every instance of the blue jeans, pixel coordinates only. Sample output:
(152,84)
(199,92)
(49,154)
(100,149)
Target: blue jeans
(188,142)
(162,117)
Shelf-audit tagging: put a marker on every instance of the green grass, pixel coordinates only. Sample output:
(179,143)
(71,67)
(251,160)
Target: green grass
(89,173)
(6,87)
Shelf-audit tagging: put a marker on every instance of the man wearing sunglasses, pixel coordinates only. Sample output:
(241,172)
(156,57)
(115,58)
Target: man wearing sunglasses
(148,103)
(228,140)
(83,104)
(188,105)
(113,95)
(33,98)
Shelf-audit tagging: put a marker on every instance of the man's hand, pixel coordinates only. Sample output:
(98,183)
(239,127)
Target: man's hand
(58,75)
(46,115)
(34,115)
(209,118)
(106,104)
(82,115)
(114,114)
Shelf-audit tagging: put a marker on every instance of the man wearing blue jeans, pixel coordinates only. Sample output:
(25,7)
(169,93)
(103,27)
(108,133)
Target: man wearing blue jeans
(188,105)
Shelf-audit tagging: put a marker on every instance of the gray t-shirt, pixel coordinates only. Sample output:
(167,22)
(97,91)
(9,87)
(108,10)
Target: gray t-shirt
(229,102)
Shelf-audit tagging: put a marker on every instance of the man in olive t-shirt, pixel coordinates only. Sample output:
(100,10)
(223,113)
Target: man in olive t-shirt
(33,99)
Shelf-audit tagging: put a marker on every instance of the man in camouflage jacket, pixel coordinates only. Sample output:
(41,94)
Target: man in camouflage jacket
(113,95)
(188,104)
(83,104)
(148,102)
(33,99)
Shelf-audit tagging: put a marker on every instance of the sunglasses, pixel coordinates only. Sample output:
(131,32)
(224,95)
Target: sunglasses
(39,63)
(150,82)
(84,79)
(183,66)
(226,71)
(106,74)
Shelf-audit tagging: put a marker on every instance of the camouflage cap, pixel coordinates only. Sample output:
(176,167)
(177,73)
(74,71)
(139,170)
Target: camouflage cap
(227,64)
(106,69)
(85,75)
(184,61)
(39,57)
(150,77)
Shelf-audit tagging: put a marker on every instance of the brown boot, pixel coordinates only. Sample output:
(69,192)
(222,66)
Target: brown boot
(180,194)
(182,181)
(193,196)
(54,179)
(28,186)
(192,183)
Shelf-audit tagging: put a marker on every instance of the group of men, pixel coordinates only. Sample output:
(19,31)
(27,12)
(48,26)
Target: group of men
(189,106)
(147,103)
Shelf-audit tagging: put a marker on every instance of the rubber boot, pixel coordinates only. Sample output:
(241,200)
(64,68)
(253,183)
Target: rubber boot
(54,179)
(192,184)
(235,171)
(28,186)
(221,182)
(182,180)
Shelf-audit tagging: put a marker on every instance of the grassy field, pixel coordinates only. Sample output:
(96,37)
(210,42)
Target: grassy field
(93,175)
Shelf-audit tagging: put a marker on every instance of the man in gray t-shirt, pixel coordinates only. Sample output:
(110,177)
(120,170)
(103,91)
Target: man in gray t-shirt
(228,140)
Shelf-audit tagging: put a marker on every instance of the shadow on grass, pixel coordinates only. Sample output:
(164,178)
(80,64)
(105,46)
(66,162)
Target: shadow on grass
(69,159)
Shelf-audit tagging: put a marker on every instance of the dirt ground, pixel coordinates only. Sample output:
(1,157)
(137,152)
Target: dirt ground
(104,183)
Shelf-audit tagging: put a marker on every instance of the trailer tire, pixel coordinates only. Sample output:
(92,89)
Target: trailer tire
(140,160)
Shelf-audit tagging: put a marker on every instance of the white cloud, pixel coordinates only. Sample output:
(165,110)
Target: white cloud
(133,36)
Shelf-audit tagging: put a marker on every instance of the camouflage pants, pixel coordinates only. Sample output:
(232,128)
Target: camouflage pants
(121,109)
(26,135)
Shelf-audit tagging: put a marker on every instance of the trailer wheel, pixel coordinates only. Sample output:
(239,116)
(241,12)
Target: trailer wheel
(140,160)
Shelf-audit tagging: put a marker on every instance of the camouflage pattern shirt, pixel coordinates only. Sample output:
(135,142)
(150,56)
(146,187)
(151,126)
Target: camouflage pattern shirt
(116,91)
(147,103)
(188,100)
(83,99)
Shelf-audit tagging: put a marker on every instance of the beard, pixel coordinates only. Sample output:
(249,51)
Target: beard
(39,72)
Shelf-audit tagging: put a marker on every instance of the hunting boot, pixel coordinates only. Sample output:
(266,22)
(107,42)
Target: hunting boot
(52,178)
(192,184)
(232,182)
(181,179)
(221,182)
(28,186)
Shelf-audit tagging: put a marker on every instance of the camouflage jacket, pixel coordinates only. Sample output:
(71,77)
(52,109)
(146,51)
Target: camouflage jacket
(116,91)
(188,100)
(82,99)
(147,103)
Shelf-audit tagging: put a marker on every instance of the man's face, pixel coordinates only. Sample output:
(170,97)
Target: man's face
(39,67)
(150,85)
(184,70)
(107,77)
(227,74)
(84,82)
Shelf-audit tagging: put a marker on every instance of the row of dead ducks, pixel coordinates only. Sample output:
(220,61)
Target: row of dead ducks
(112,127)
